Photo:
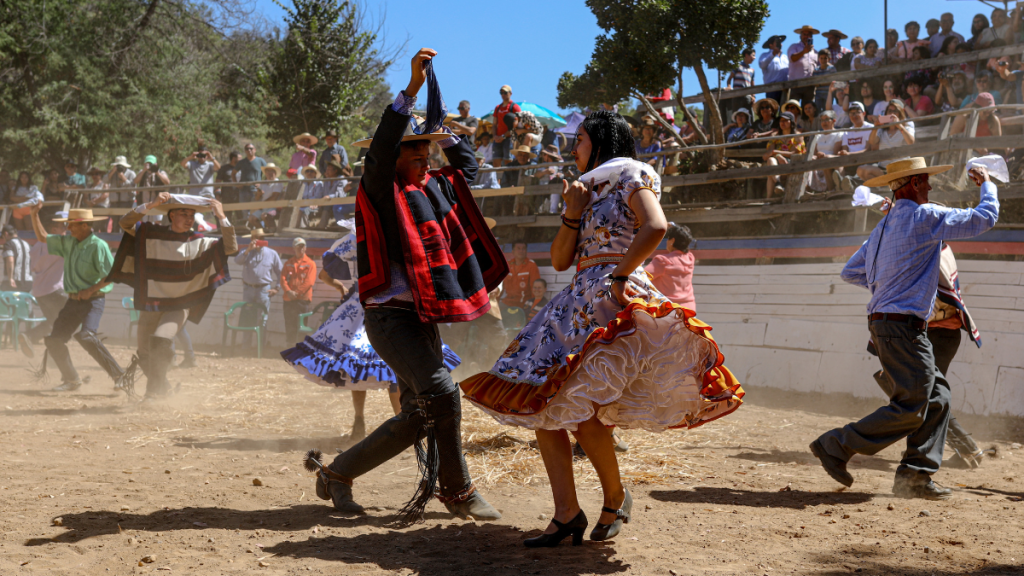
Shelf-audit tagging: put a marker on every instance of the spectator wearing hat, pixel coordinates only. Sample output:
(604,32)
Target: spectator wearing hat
(793,107)
(765,123)
(465,125)
(854,141)
(827,146)
(552,175)
(917,103)
(803,62)
(522,156)
(936,40)
(988,122)
(297,279)
(150,176)
(73,180)
(202,168)
(834,49)
(24,195)
(870,58)
(249,169)
(739,128)
(265,217)
(774,65)
(335,189)
(313,189)
(503,139)
(648,142)
(120,175)
(304,154)
(484,180)
(333,153)
(529,131)
(782,149)
(261,276)
(887,133)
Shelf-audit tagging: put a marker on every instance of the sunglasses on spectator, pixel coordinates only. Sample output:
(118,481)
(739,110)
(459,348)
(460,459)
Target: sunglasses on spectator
(250,147)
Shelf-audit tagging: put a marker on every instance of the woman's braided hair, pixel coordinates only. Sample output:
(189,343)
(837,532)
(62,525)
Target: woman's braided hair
(610,137)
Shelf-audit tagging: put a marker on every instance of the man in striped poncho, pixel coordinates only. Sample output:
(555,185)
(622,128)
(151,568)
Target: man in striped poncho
(174,272)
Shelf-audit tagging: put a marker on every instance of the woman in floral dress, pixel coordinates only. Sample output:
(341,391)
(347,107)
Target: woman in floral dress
(609,349)
(339,353)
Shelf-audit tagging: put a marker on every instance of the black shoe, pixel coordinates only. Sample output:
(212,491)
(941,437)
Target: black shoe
(574,527)
(475,506)
(341,494)
(929,491)
(26,345)
(609,531)
(68,386)
(835,467)
(578,451)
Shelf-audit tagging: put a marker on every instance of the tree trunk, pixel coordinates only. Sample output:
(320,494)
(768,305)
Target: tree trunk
(664,123)
(697,128)
(715,118)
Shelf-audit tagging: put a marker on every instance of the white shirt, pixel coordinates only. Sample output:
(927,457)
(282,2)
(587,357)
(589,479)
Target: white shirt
(856,140)
(894,140)
(827,142)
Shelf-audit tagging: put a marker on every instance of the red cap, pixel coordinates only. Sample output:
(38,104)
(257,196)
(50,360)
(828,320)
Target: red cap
(984,100)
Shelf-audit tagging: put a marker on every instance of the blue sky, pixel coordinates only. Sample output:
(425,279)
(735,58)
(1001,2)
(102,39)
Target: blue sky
(528,44)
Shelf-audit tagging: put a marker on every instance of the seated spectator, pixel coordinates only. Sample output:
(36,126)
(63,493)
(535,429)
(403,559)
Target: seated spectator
(521,156)
(982,84)
(887,134)
(827,146)
(24,195)
(872,105)
(98,199)
(838,102)
(809,120)
(648,142)
(781,149)
(552,175)
(889,90)
(265,217)
(485,147)
(824,67)
(793,107)
(917,103)
(484,180)
(51,185)
(870,58)
(313,189)
(988,122)
(766,123)
(854,141)
(978,25)
(948,47)
(920,53)
(335,187)
(952,91)
(905,48)
(739,128)
(1013,78)
(537,299)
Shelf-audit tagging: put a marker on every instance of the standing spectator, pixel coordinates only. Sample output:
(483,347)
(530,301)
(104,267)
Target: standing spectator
(774,65)
(297,278)
(522,273)
(672,272)
(802,62)
(485,147)
(835,50)
(334,189)
(946,24)
(892,40)
(333,153)
(537,299)
(47,287)
(917,104)
(856,46)
(227,193)
(264,217)
(98,199)
(23,196)
(465,125)
(782,149)
(51,185)
(932,28)
(982,83)
(304,154)
(952,91)
(202,169)
(886,134)
(17,261)
(1001,29)
(905,48)
(766,123)
(6,185)
(979,24)
(261,273)
(743,76)
(502,143)
(121,175)
(74,181)
(249,169)
(485,180)
(827,146)
(824,67)
(870,58)
(150,177)
(523,157)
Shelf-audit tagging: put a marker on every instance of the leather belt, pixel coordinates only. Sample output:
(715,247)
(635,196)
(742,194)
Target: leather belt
(254,285)
(597,260)
(913,321)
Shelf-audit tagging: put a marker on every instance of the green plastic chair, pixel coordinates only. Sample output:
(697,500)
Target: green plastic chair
(233,328)
(6,315)
(128,303)
(324,309)
(19,306)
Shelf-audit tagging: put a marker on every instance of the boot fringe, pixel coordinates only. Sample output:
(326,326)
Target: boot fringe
(39,374)
(428,460)
(126,382)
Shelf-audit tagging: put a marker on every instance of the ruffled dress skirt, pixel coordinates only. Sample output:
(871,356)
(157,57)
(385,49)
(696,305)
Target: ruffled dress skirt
(650,365)
(339,354)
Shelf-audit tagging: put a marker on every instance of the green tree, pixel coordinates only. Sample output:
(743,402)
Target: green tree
(648,43)
(326,70)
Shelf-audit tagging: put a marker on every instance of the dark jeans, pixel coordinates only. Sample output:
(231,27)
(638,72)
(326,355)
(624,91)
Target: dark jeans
(50,305)
(291,318)
(412,349)
(918,408)
(85,314)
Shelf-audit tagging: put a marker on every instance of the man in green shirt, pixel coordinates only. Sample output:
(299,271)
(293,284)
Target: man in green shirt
(87,261)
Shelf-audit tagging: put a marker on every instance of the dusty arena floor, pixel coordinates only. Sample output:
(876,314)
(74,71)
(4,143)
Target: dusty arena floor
(212,483)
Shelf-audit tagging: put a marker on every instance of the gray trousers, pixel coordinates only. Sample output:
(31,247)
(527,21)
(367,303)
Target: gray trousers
(918,408)
(50,305)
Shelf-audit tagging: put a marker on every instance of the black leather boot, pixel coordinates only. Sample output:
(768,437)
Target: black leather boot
(61,356)
(968,454)
(92,344)
(161,355)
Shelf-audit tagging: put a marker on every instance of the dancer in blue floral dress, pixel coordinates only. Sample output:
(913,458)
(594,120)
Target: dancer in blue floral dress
(609,349)
(339,353)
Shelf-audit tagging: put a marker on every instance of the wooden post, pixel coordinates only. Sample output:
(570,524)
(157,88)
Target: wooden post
(796,184)
(860,220)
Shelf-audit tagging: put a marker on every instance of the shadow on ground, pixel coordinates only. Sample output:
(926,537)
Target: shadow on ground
(805,457)
(327,445)
(867,559)
(795,499)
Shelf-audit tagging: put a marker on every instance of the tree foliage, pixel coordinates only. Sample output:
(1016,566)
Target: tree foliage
(648,43)
(325,71)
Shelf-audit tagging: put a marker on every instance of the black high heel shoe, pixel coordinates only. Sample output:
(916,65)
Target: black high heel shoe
(608,531)
(575,527)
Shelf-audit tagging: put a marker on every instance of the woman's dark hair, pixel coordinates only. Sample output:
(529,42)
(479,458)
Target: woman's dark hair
(509,119)
(610,137)
(870,42)
(984,24)
(27,174)
(924,51)
(804,114)
(945,45)
(682,236)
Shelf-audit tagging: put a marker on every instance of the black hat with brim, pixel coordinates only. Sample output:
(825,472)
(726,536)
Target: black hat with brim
(771,39)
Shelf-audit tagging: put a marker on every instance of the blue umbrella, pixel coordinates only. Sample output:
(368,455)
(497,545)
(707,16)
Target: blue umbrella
(544,116)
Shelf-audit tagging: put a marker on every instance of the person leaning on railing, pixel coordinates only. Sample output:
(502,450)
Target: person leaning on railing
(782,149)
(886,134)
(826,147)
(988,122)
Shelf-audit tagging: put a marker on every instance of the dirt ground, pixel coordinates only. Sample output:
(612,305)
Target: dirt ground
(92,484)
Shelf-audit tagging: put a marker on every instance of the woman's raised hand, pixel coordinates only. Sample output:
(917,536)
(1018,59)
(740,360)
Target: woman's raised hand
(576,197)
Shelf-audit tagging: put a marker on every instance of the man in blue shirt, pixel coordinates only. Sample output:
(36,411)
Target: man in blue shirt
(261,273)
(774,65)
(900,265)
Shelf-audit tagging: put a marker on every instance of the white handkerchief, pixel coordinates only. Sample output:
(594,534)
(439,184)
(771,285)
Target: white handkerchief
(863,196)
(996,166)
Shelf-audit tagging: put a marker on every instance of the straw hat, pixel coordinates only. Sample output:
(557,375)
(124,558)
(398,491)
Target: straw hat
(552,151)
(255,234)
(523,150)
(794,103)
(491,222)
(770,101)
(310,167)
(174,204)
(410,134)
(80,215)
(806,29)
(306,135)
(121,161)
(271,166)
(904,168)
(834,32)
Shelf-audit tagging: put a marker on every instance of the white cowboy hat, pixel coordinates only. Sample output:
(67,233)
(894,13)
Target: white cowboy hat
(271,166)
(121,161)
(410,134)
(904,168)
(80,215)
(310,167)
(306,135)
(256,233)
